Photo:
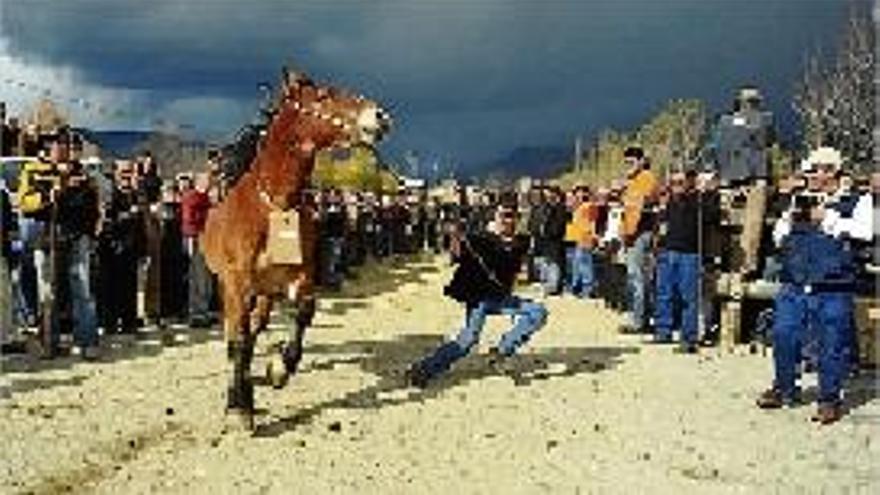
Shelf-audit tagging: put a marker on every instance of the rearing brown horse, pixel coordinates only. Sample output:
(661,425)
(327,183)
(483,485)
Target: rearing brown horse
(308,118)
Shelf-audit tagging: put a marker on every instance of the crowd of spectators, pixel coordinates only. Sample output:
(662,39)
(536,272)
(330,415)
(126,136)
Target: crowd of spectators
(85,239)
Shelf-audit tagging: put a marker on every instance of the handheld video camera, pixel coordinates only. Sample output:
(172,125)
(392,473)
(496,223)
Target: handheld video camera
(803,202)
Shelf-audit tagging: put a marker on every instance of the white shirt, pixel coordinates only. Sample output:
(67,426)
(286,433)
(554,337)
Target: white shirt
(859,226)
(613,227)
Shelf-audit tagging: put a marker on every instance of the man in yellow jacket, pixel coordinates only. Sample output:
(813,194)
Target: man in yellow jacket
(638,225)
(581,232)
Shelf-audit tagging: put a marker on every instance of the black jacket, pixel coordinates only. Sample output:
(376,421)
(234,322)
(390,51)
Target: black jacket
(150,188)
(487,268)
(683,216)
(8,225)
(124,229)
(78,211)
(549,233)
(334,225)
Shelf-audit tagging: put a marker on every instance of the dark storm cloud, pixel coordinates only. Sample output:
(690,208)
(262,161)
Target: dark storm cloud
(470,78)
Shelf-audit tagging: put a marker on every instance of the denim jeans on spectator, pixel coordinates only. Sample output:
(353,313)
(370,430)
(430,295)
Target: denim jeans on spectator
(200,282)
(678,274)
(85,329)
(530,317)
(584,276)
(829,317)
(570,270)
(5,301)
(636,266)
(332,261)
(550,274)
(43,265)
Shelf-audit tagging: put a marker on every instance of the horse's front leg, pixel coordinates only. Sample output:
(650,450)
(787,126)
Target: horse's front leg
(304,300)
(240,352)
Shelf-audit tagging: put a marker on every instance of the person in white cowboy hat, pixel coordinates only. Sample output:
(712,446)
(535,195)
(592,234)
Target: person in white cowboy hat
(819,279)
(845,215)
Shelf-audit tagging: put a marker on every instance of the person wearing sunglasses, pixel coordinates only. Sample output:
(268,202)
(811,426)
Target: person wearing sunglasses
(488,264)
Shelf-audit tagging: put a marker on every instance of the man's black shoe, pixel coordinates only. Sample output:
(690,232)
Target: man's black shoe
(628,329)
(199,322)
(686,349)
(416,376)
(503,364)
(660,340)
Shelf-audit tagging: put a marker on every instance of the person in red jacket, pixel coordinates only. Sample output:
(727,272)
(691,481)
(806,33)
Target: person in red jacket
(194,207)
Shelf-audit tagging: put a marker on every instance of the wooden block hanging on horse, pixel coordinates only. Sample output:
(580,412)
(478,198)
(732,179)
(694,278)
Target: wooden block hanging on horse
(284,246)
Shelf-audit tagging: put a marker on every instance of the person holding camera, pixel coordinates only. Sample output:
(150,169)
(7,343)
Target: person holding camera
(815,302)
(60,196)
(488,264)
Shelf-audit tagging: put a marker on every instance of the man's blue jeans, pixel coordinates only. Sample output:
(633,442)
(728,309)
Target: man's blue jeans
(570,274)
(550,274)
(678,273)
(85,330)
(636,261)
(829,315)
(530,317)
(583,276)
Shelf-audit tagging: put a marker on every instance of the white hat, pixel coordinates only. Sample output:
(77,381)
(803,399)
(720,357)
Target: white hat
(825,156)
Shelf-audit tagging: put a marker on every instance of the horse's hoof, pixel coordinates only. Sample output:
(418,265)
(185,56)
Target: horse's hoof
(276,371)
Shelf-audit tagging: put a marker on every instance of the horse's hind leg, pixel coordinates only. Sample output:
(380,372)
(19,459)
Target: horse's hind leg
(240,348)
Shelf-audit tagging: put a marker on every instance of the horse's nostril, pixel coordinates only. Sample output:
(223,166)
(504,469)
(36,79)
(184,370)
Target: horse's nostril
(384,118)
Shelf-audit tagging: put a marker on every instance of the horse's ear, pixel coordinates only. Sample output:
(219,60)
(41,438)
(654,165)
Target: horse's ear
(292,78)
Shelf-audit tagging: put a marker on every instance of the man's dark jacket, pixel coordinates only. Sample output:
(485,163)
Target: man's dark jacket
(684,215)
(487,268)
(550,231)
(8,226)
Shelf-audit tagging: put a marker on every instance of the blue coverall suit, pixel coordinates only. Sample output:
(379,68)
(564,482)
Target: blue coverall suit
(816,298)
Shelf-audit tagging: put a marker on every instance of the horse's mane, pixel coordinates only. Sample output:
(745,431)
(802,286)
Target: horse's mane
(239,155)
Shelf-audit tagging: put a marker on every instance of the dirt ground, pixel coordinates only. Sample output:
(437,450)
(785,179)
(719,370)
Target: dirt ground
(582,410)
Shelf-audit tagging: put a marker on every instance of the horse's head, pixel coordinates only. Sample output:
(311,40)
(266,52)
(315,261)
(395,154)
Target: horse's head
(323,116)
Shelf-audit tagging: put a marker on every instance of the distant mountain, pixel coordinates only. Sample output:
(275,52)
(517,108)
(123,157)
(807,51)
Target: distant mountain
(533,161)
(117,143)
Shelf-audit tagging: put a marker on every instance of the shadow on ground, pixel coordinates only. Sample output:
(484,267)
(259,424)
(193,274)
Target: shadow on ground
(144,344)
(390,359)
(858,391)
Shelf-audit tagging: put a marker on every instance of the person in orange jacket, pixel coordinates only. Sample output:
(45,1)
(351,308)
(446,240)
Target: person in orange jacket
(582,233)
(638,224)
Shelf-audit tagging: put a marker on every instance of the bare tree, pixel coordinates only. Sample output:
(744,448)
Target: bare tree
(837,102)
